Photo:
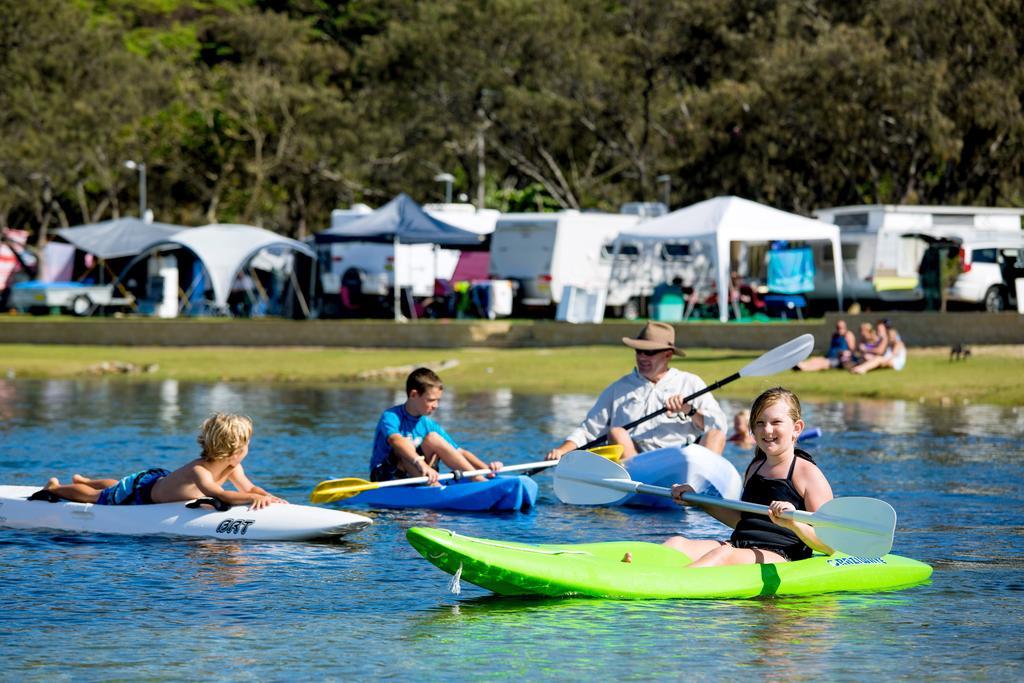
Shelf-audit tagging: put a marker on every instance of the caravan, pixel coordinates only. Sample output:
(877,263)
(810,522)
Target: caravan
(367,268)
(883,245)
(543,253)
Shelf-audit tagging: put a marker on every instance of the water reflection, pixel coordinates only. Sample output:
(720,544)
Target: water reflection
(170,406)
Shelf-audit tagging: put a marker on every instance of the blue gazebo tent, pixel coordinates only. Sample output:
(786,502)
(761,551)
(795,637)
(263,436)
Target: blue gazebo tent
(401,221)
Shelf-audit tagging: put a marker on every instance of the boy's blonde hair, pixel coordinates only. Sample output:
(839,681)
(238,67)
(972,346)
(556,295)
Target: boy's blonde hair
(222,435)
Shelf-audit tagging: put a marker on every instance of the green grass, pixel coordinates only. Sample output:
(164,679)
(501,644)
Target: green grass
(989,376)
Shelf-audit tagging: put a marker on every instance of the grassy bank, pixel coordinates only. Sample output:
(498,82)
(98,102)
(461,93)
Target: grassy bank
(991,375)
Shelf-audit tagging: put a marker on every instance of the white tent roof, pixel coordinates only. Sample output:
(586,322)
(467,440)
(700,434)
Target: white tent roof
(722,220)
(224,249)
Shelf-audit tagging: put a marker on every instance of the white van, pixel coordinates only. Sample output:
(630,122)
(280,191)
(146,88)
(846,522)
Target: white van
(883,245)
(546,252)
(988,270)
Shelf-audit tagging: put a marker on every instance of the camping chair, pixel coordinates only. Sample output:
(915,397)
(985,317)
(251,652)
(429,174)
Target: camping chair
(702,302)
(444,302)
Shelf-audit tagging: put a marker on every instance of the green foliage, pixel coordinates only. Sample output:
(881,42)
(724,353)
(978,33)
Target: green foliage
(530,198)
(273,112)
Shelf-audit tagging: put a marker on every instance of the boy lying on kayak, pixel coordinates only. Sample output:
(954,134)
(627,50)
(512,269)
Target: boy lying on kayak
(225,443)
(409,443)
(780,476)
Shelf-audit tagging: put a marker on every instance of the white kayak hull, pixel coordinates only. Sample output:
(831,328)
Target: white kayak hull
(239,523)
(707,472)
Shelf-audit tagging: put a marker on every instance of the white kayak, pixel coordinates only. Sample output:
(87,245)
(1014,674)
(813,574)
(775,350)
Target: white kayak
(238,523)
(707,472)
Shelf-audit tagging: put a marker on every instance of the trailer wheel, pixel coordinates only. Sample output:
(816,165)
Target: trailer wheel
(82,306)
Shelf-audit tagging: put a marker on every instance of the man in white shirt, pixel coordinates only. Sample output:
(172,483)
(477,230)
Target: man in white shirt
(652,385)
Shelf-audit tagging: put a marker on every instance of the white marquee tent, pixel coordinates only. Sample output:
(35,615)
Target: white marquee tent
(718,222)
(225,249)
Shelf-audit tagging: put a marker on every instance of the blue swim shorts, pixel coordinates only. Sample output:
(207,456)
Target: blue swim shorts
(135,489)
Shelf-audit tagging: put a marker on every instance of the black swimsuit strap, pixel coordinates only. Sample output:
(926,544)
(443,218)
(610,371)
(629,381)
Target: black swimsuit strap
(760,460)
(792,466)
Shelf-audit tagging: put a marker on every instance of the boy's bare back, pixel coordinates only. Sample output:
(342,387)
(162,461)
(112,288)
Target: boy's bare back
(189,481)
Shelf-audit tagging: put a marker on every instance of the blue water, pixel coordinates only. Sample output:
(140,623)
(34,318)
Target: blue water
(88,607)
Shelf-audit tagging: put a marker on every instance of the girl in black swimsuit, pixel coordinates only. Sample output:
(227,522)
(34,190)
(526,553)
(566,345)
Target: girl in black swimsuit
(781,477)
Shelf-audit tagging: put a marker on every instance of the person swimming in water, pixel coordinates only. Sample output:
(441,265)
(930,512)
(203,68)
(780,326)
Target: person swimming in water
(741,435)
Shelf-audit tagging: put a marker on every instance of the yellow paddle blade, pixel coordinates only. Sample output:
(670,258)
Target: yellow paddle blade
(613,452)
(337,489)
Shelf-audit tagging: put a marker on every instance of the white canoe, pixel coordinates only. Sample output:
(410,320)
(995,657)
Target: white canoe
(707,472)
(239,523)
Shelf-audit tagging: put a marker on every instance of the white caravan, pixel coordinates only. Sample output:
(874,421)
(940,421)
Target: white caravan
(371,265)
(546,252)
(883,245)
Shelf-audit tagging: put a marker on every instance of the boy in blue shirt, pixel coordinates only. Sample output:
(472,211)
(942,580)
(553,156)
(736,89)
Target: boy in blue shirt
(409,443)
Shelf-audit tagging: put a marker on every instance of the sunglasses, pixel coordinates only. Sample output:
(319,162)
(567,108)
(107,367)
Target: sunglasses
(649,352)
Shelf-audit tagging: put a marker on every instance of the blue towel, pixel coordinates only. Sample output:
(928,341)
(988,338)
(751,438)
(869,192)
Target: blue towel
(791,271)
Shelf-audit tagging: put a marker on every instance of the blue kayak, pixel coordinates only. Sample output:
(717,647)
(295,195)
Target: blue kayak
(707,472)
(500,493)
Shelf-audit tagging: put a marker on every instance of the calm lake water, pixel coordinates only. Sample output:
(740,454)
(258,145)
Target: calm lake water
(86,607)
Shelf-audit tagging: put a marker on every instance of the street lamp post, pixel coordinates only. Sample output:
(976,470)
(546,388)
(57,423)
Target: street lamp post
(447,179)
(139,166)
(666,191)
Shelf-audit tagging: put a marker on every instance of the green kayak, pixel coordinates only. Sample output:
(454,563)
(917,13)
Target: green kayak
(598,570)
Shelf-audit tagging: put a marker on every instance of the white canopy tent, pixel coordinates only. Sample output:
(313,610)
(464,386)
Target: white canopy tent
(116,238)
(718,222)
(225,249)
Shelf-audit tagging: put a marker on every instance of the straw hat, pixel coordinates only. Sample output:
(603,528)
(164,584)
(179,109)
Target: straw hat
(655,337)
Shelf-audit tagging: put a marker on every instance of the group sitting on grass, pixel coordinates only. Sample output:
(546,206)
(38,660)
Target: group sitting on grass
(877,346)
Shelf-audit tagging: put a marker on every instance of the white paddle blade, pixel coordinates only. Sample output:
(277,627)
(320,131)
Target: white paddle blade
(862,527)
(780,358)
(583,478)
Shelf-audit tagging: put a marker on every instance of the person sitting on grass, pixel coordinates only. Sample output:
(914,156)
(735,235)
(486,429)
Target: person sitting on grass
(839,355)
(894,356)
(781,476)
(870,344)
(225,443)
(409,443)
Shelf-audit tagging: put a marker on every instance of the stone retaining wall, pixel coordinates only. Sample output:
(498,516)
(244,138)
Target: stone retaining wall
(918,329)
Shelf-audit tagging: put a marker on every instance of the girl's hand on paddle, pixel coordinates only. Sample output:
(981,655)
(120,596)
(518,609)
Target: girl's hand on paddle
(677,493)
(775,511)
(495,465)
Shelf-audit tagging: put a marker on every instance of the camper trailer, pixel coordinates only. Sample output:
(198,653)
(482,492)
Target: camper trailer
(368,267)
(543,253)
(883,245)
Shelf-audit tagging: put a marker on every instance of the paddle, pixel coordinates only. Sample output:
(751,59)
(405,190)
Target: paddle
(778,359)
(338,489)
(854,525)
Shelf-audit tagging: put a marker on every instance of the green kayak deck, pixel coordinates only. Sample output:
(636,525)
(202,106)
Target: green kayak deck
(598,570)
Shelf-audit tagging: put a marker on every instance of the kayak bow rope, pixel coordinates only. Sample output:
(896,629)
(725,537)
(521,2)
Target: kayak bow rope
(857,526)
(333,490)
(778,359)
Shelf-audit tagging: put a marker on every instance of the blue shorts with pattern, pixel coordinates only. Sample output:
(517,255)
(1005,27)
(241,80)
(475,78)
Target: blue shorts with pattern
(135,489)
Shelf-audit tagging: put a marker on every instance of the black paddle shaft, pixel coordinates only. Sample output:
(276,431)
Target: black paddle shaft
(603,439)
